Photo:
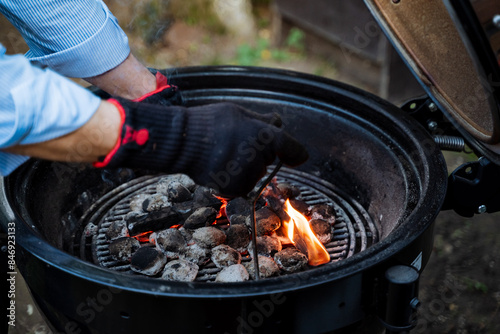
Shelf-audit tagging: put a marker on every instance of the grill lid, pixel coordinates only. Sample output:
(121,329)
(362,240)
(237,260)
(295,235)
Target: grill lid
(448,51)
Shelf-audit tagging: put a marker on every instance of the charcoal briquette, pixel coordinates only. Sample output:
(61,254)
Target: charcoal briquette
(267,221)
(209,237)
(121,249)
(201,217)
(136,202)
(148,261)
(238,237)
(267,267)
(180,270)
(291,260)
(177,192)
(238,206)
(195,254)
(323,211)
(155,202)
(266,245)
(234,273)
(117,229)
(322,230)
(224,256)
(169,241)
(154,221)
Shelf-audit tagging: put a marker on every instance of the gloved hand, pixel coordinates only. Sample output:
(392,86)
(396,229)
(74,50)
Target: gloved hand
(164,94)
(223,145)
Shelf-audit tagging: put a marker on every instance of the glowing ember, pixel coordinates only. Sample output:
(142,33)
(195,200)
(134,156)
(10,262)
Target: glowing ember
(300,233)
(143,237)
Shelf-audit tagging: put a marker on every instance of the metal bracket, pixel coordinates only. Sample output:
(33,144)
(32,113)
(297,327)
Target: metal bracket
(427,113)
(474,188)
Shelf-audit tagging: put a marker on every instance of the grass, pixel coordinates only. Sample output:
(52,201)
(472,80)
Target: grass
(253,55)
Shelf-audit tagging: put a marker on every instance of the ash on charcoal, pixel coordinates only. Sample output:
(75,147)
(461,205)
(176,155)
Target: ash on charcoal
(176,192)
(195,254)
(267,267)
(322,230)
(185,209)
(234,273)
(148,261)
(266,245)
(209,237)
(200,218)
(323,211)
(169,241)
(153,221)
(267,221)
(90,230)
(180,270)
(238,206)
(204,197)
(238,237)
(240,220)
(186,234)
(287,190)
(135,216)
(224,256)
(121,249)
(155,202)
(183,179)
(117,229)
(291,260)
(136,202)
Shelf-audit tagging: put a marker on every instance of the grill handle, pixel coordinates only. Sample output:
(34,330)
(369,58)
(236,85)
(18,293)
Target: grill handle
(399,299)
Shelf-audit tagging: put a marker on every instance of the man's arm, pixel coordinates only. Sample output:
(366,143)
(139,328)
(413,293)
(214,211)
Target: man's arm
(80,39)
(94,139)
(130,79)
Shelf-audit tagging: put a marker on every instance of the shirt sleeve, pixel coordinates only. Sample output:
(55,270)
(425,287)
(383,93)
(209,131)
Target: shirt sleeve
(76,38)
(37,105)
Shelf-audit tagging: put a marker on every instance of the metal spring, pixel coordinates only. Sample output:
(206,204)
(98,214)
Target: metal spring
(450,143)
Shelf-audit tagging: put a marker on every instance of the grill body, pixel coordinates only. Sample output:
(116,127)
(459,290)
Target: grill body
(362,145)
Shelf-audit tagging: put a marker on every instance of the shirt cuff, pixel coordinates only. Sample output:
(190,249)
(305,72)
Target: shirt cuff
(105,50)
(9,162)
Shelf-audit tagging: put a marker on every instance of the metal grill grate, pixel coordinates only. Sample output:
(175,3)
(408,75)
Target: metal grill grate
(353,231)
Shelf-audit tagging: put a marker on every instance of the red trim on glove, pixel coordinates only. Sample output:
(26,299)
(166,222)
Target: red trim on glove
(109,156)
(161,84)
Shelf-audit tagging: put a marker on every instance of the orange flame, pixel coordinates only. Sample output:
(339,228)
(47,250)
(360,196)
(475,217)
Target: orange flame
(143,237)
(222,210)
(306,242)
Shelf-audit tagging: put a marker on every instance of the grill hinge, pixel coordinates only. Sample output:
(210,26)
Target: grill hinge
(474,188)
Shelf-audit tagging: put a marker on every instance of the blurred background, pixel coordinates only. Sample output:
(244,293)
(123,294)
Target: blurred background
(460,287)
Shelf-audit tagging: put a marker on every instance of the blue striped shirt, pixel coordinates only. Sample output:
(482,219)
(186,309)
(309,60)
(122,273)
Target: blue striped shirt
(73,38)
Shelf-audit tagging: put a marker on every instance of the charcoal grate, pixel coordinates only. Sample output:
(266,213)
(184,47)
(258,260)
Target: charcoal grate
(353,232)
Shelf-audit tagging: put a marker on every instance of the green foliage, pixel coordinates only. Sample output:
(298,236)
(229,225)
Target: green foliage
(474,285)
(295,39)
(253,55)
(247,55)
(197,13)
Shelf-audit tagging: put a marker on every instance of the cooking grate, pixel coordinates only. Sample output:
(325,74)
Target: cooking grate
(353,231)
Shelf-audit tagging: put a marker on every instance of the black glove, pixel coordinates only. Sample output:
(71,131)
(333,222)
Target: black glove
(223,145)
(164,94)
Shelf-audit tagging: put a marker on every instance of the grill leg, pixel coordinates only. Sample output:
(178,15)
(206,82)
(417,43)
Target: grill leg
(399,300)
